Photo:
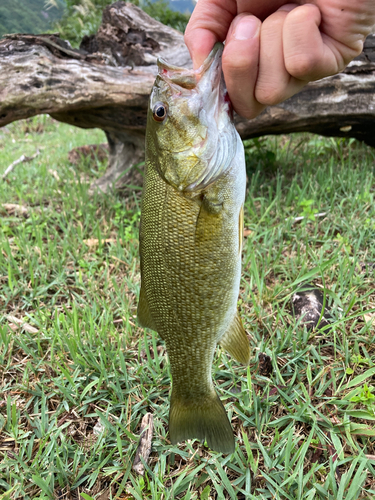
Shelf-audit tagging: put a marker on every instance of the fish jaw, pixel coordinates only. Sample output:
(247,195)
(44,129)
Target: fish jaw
(196,143)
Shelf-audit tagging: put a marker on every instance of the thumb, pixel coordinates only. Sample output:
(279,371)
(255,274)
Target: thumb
(240,64)
(208,24)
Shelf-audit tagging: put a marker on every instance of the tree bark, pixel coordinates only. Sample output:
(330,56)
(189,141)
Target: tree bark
(125,151)
(106,84)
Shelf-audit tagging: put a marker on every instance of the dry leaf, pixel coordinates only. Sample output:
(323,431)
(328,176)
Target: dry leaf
(16,323)
(13,209)
(98,428)
(54,174)
(144,445)
(94,242)
(335,420)
(369,317)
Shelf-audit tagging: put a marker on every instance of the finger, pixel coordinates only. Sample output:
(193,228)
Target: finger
(309,54)
(240,64)
(211,20)
(274,83)
(347,22)
(208,24)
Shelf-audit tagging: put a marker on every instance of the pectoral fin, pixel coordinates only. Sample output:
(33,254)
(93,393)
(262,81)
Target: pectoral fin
(235,341)
(143,312)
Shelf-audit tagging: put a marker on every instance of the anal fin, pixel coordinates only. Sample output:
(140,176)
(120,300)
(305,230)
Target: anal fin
(143,312)
(235,341)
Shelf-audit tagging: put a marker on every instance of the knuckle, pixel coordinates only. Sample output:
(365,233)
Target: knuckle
(248,110)
(268,95)
(236,63)
(304,66)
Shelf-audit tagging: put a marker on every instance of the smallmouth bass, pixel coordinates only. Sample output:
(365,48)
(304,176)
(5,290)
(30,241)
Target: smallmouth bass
(191,236)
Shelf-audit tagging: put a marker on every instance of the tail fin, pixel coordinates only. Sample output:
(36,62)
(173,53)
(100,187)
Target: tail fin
(205,419)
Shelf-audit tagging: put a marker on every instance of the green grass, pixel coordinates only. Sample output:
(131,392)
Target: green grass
(75,387)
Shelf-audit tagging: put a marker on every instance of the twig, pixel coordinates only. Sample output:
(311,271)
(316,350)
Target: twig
(298,219)
(21,159)
(144,445)
(115,321)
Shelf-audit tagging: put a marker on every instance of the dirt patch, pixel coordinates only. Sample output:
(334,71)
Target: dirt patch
(95,152)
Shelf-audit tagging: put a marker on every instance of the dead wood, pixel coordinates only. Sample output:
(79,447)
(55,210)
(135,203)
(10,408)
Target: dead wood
(106,83)
(144,445)
(21,159)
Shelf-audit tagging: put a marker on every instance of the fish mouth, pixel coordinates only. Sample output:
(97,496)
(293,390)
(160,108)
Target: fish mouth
(207,97)
(190,79)
(207,82)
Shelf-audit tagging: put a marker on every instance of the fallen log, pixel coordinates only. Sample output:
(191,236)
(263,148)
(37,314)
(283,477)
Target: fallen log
(106,83)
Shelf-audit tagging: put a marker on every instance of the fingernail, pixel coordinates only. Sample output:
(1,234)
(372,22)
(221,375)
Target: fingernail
(246,28)
(288,7)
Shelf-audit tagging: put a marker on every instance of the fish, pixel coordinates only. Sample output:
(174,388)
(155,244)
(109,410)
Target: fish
(191,236)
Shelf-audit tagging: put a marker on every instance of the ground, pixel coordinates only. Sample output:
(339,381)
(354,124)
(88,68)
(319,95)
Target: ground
(77,373)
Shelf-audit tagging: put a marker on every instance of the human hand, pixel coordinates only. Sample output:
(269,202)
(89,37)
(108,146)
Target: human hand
(274,48)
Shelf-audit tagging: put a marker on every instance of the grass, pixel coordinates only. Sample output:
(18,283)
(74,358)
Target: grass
(78,376)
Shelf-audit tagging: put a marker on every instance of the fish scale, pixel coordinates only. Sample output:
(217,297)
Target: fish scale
(190,242)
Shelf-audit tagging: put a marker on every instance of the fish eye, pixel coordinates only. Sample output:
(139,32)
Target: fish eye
(160,111)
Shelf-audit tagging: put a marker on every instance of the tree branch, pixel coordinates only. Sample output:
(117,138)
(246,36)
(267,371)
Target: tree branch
(106,84)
